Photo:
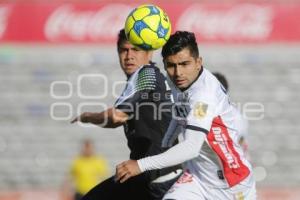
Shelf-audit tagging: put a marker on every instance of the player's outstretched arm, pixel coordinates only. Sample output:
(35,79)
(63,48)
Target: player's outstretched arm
(179,153)
(109,118)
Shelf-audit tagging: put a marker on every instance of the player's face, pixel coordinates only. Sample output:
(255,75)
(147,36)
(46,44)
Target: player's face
(183,68)
(131,57)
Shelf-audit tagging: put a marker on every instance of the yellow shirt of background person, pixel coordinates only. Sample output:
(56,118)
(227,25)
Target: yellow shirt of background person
(87,172)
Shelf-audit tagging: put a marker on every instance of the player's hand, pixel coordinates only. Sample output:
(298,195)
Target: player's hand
(84,118)
(126,170)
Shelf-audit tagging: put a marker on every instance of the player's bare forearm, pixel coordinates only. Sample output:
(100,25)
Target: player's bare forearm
(93,118)
(109,118)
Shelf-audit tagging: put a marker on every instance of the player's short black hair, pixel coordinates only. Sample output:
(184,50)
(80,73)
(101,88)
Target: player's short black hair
(121,38)
(222,79)
(178,41)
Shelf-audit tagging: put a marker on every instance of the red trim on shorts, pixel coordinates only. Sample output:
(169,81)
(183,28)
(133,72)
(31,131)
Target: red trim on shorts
(233,168)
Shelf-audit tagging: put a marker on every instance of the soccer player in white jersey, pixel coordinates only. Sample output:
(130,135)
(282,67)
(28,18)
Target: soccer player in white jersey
(214,163)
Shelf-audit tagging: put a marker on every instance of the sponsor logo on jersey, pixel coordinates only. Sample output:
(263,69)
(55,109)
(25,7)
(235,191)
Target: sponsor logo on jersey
(222,141)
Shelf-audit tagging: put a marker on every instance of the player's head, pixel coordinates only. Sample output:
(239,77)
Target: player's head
(181,59)
(222,79)
(131,58)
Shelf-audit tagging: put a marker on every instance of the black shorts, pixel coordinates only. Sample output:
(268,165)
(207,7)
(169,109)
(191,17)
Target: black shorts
(135,188)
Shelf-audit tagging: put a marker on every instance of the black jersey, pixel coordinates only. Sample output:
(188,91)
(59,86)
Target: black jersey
(147,101)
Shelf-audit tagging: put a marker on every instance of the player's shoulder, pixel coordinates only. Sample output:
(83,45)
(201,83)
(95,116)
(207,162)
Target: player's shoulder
(212,86)
(150,70)
(210,81)
(145,78)
(147,71)
(206,85)
(205,89)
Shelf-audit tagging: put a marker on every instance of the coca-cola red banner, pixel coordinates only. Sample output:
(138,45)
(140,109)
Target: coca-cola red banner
(100,22)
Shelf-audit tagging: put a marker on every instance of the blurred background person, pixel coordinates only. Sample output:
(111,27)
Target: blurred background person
(86,171)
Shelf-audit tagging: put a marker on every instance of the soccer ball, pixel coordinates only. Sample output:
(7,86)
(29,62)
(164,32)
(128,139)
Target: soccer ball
(148,27)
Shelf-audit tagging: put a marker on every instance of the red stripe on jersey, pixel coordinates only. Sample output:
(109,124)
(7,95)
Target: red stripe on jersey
(220,141)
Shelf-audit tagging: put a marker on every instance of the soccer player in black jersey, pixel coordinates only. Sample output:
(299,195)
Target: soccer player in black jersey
(144,109)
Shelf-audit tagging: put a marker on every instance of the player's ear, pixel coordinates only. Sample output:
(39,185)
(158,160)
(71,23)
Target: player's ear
(199,62)
(164,63)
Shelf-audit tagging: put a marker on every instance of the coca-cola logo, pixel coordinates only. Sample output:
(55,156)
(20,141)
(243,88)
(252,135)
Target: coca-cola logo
(4,13)
(67,23)
(241,22)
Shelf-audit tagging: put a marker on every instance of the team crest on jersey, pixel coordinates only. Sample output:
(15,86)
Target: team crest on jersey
(200,110)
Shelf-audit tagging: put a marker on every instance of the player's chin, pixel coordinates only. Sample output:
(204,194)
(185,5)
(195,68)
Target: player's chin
(130,70)
(182,86)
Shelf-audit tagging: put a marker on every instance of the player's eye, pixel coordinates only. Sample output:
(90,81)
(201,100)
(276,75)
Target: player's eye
(122,50)
(184,64)
(171,65)
(136,49)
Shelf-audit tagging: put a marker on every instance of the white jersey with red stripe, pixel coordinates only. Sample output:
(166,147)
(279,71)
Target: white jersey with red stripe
(205,107)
